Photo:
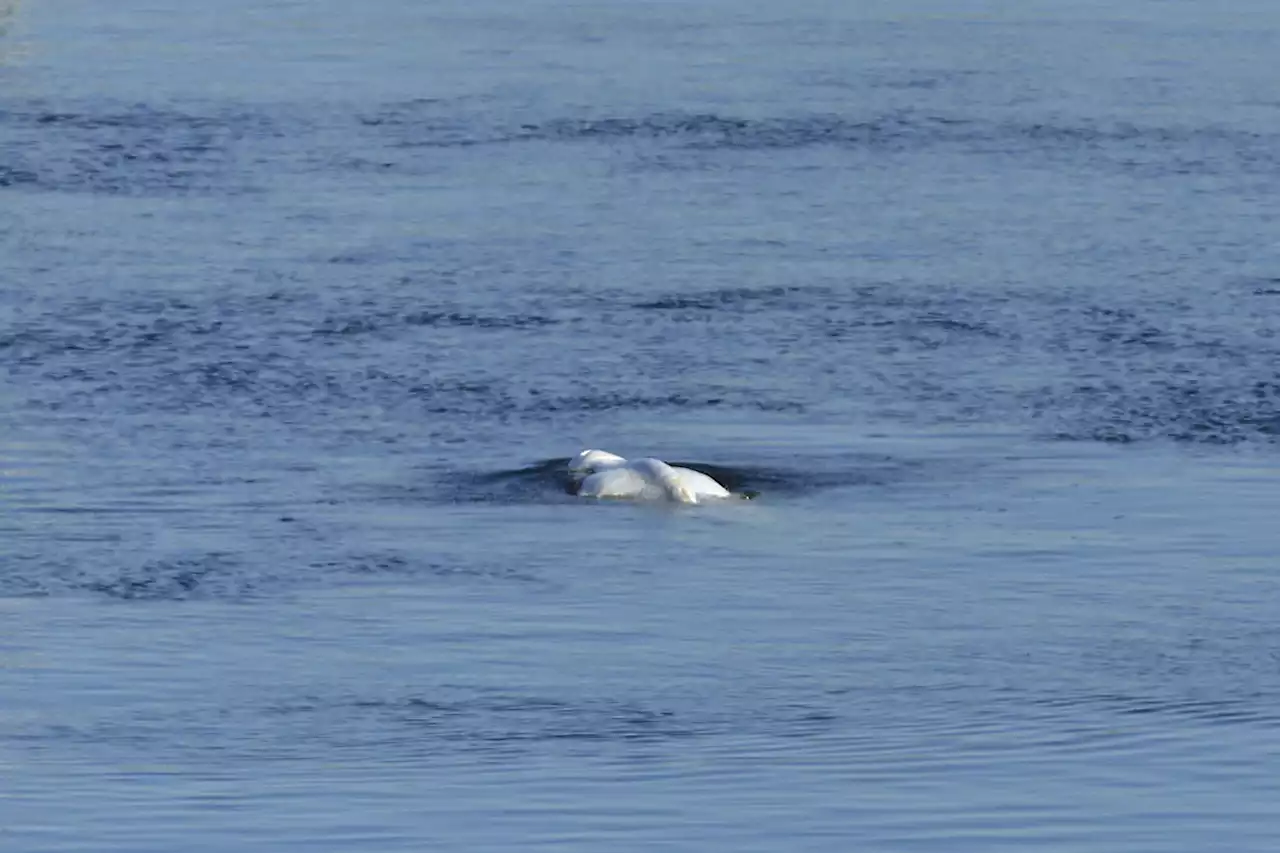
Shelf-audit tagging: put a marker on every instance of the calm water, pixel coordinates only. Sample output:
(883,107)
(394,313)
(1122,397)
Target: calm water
(301,302)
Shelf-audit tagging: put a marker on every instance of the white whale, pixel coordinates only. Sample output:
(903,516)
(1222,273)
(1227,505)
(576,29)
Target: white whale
(606,475)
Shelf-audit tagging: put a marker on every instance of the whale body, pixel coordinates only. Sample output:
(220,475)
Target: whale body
(601,474)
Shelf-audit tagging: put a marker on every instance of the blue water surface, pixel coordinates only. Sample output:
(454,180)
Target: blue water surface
(303,305)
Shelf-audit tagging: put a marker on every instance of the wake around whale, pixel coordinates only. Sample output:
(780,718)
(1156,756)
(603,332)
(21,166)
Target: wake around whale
(600,474)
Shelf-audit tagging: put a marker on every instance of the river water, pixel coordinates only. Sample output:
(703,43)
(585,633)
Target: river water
(302,307)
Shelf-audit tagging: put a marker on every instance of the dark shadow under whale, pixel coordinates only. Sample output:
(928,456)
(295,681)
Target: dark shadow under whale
(549,479)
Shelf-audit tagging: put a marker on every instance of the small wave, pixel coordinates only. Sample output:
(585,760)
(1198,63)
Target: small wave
(455,718)
(373,323)
(485,721)
(1226,710)
(135,150)
(366,566)
(733,297)
(604,401)
(1190,410)
(148,150)
(209,576)
(715,131)
(1146,150)
(10,177)
(235,577)
(418,723)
